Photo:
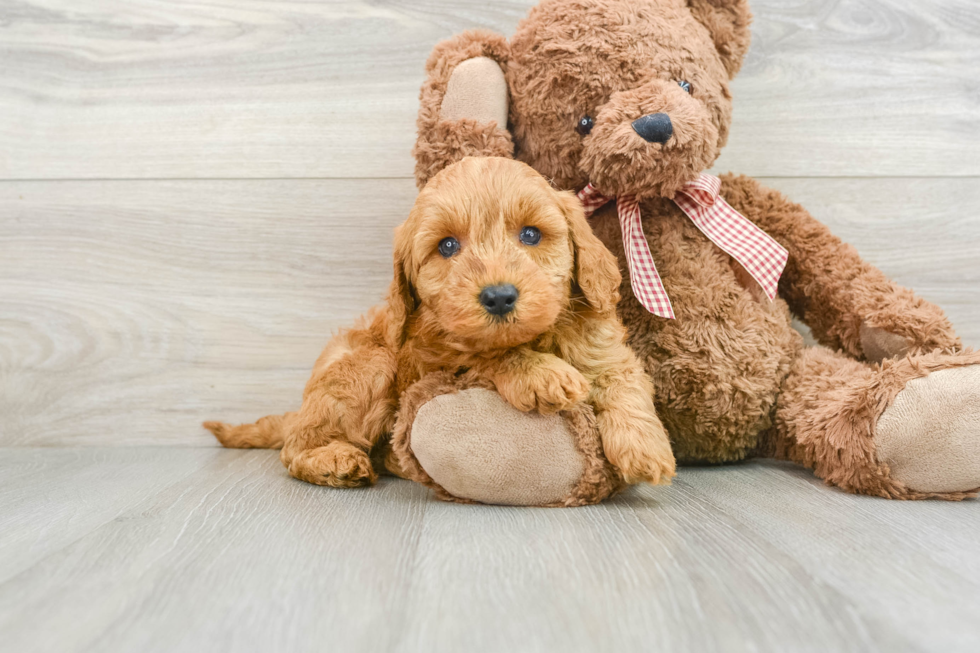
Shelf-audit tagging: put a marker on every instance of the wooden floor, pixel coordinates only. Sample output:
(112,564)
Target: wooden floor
(194,194)
(193,549)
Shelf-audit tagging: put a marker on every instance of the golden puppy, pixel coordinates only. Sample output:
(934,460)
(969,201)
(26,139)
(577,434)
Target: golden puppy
(497,272)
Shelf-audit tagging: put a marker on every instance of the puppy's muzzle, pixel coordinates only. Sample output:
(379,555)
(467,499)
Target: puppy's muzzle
(499,300)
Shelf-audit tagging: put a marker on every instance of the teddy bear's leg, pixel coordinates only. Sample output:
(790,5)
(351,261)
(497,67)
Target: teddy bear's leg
(907,429)
(463,104)
(459,437)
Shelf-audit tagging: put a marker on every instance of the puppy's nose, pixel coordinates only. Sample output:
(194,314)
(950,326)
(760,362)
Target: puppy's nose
(654,128)
(500,299)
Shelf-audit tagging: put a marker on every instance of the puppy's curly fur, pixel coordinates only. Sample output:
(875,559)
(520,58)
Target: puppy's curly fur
(561,344)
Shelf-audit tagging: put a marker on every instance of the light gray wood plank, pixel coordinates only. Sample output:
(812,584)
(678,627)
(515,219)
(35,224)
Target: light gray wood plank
(50,498)
(757,557)
(651,569)
(225,88)
(240,557)
(912,564)
(132,311)
(251,88)
(858,88)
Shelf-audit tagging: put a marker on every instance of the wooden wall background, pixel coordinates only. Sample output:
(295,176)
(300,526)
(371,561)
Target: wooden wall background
(193,194)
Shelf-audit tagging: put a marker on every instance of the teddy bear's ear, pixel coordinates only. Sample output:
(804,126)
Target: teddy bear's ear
(463,103)
(596,270)
(728,23)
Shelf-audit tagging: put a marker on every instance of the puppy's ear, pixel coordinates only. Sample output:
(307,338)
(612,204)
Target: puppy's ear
(401,296)
(728,23)
(596,269)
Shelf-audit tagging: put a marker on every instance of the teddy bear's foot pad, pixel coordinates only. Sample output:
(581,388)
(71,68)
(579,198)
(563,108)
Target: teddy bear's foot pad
(477,91)
(479,447)
(930,436)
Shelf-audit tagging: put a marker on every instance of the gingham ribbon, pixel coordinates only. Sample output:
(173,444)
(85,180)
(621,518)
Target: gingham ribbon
(756,251)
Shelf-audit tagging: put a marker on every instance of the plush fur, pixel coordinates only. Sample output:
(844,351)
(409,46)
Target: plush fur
(732,377)
(561,345)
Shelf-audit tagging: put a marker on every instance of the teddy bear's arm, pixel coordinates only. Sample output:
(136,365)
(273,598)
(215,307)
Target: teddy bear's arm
(463,103)
(847,303)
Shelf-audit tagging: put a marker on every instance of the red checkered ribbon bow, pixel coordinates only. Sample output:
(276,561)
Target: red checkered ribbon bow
(756,251)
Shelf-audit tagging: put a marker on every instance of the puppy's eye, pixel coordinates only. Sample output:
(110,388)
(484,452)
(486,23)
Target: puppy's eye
(686,86)
(448,247)
(584,125)
(530,235)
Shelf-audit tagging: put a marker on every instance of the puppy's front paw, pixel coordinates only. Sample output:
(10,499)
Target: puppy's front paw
(640,456)
(548,388)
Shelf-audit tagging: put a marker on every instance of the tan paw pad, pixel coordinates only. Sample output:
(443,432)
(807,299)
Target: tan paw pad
(930,436)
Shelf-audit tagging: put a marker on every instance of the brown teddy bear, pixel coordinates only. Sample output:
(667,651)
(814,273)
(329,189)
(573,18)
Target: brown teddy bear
(628,102)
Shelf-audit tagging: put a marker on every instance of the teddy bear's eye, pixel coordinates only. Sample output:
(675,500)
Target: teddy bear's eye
(530,235)
(686,86)
(584,125)
(448,247)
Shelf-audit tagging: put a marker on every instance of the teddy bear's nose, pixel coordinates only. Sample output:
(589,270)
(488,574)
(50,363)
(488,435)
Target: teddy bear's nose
(654,128)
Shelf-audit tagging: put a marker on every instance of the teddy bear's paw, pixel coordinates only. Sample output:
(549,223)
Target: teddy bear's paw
(476,91)
(930,436)
(879,344)
(548,388)
(338,464)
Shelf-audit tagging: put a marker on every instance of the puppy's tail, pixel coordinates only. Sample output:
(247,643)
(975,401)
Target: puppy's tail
(267,433)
